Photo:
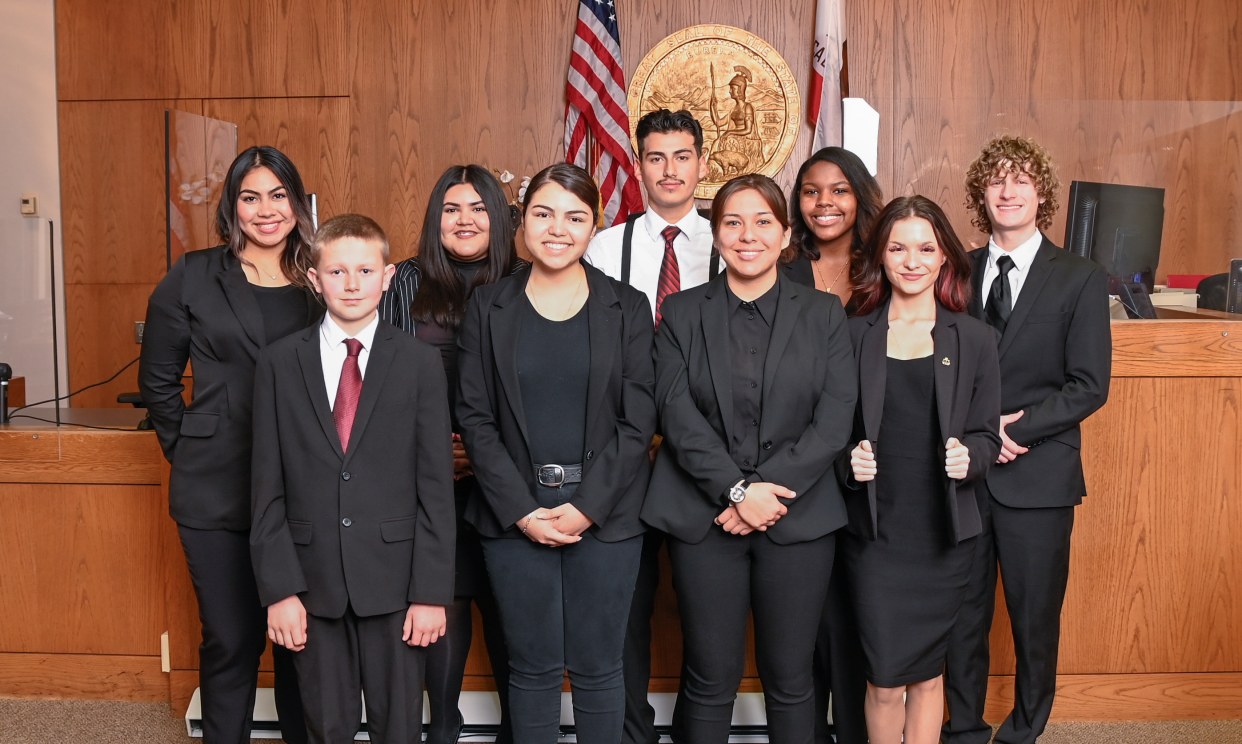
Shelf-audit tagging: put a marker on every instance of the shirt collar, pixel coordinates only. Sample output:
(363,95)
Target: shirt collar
(1022,256)
(335,335)
(765,304)
(690,225)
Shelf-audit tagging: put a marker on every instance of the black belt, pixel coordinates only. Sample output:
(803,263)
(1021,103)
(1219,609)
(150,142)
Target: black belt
(558,475)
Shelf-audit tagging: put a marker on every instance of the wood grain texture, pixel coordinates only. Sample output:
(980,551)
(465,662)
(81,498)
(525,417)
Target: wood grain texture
(135,679)
(17,392)
(1131,697)
(100,330)
(1177,348)
(72,455)
(83,573)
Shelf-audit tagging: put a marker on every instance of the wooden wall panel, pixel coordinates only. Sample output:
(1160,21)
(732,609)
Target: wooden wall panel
(83,573)
(313,132)
(100,331)
(135,679)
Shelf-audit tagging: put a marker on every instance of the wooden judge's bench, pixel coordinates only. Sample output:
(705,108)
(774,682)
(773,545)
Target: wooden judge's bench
(93,575)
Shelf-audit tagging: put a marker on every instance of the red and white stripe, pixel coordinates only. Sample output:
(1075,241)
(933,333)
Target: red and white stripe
(825,114)
(597,119)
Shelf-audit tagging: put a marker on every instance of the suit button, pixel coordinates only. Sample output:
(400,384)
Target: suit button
(590,454)
(347,521)
(767,444)
(345,475)
(753,384)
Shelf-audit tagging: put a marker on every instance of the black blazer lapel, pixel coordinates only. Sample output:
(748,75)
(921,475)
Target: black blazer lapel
(1036,276)
(312,374)
(873,372)
(787,310)
(714,314)
(604,320)
(379,359)
(233,281)
(946,363)
(978,266)
(504,323)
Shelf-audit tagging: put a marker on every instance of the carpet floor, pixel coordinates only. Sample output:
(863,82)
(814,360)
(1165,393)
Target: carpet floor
(90,722)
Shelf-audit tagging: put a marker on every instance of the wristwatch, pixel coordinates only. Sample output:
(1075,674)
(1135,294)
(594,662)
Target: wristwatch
(737,494)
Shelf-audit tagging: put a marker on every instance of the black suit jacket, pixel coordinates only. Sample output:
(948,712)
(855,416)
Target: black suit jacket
(204,310)
(373,526)
(968,396)
(809,389)
(621,415)
(1055,360)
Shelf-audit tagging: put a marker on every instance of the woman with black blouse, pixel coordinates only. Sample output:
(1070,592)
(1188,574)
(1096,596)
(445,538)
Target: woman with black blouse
(466,243)
(926,431)
(556,412)
(218,308)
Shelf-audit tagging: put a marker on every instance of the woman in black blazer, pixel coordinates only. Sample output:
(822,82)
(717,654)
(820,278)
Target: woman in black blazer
(755,382)
(555,405)
(218,308)
(925,433)
(466,243)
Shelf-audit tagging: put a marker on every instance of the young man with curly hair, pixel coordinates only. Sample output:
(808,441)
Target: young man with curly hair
(1050,312)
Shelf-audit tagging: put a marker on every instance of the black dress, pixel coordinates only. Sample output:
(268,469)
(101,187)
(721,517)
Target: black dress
(909,582)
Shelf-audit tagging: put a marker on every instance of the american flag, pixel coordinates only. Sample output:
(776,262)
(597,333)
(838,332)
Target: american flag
(597,120)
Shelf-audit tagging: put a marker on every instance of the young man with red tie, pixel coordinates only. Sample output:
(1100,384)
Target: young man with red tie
(1049,311)
(353,519)
(663,250)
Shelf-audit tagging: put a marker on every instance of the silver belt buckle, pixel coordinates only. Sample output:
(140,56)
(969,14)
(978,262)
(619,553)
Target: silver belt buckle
(551,475)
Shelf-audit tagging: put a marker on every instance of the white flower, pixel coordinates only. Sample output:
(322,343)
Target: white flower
(522,191)
(506,177)
(195,193)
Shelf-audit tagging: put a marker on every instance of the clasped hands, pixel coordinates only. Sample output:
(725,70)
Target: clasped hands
(956,460)
(758,511)
(286,624)
(563,525)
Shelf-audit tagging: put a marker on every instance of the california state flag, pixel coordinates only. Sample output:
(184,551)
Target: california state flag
(825,99)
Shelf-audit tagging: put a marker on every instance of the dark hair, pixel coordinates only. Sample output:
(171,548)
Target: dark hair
(570,177)
(952,286)
(766,187)
(295,259)
(663,121)
(440,298)
(347,226)
(867,194)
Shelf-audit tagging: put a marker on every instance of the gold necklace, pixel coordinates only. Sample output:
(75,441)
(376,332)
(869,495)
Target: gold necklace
(572,300)
(815,265)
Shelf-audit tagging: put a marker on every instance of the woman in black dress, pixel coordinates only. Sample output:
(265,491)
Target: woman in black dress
(218,308)
(556,409)
(467,242)
(833,206)
(925,433)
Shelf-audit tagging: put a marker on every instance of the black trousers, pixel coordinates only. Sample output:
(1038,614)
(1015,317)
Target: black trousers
(350,655)
(564,608)
(639,715)
(234,636)
(1032,547)
(719,582)
(840,666)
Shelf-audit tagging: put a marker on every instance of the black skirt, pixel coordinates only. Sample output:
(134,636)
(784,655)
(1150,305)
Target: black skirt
(909,582)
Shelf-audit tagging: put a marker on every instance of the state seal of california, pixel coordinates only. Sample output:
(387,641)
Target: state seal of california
(736,85)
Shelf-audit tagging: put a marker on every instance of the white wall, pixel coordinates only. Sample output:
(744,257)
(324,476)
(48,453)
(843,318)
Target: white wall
(29,162)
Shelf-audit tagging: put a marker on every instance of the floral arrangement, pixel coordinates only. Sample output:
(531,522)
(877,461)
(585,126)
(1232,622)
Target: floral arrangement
(507,178)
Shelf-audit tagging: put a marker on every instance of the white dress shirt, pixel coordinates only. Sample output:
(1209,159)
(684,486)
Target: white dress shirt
(333,352)
(1023,256)
(692,246)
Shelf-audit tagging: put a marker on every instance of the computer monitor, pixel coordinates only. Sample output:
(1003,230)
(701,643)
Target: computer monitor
(1118,227)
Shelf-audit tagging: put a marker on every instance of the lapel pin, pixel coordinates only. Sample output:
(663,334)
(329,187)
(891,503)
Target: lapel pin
(945,361)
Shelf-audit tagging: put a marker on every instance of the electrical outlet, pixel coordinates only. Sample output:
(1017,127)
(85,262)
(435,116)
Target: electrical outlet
(139,327)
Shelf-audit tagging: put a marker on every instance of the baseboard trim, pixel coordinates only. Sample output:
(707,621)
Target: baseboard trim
(1208,696)
(82,677)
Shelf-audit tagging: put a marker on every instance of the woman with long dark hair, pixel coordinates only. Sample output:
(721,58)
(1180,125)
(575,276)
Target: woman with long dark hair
(466,243)
(218,308)
(557,415)
(833,206)
(925,432)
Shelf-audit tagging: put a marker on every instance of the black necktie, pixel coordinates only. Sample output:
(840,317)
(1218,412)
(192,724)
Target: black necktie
(1000,297)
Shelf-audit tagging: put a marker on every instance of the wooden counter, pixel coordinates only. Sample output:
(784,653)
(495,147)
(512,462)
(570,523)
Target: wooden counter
(1152,627)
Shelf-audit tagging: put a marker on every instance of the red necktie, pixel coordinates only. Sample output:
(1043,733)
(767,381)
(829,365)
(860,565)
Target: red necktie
(670,275)
(347,392)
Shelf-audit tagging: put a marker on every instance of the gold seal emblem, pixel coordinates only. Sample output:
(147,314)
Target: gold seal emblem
(739,89)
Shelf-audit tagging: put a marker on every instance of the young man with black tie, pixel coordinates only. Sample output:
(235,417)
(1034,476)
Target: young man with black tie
(663,250)
(1049,309)
(353,518)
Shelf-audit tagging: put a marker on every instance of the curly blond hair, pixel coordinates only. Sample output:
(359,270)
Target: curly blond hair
(1011,154)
